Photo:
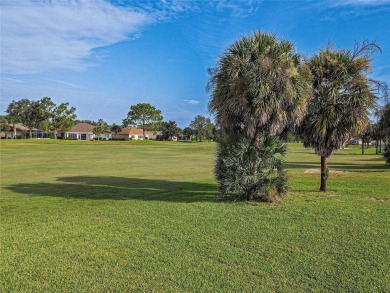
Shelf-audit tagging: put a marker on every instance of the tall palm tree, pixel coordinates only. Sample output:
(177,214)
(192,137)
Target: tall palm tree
(343,96)
(258,88)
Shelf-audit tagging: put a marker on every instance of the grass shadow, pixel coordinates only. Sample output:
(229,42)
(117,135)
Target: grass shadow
(120,188)
(338,166)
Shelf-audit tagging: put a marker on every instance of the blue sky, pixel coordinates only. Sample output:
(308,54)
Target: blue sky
(103,56)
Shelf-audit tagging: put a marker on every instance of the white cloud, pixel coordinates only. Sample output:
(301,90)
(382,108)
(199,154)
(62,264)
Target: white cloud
(39,36)
(192,102)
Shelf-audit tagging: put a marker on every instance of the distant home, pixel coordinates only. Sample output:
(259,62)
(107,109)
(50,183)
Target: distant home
(81,131)
(23,132)
(133,134)
(84,131)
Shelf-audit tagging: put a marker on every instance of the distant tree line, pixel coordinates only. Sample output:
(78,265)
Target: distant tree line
(41,114)
(200,129)
(46,115)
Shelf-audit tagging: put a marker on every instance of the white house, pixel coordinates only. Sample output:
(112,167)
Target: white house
(81,131)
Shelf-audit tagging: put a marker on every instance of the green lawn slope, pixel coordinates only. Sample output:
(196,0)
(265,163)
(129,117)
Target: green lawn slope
(145,216)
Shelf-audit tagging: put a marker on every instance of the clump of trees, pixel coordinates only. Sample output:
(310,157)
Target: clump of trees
(41,114)
(202,128)
(169,130)
(261,90)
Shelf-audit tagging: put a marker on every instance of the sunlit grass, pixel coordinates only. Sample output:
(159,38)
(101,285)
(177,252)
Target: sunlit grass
(145,216)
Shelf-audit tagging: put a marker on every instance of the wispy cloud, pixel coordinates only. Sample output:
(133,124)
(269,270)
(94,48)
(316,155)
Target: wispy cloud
(12,79)
(360,2)
(192,102)
(43,35)
(65,83)
(237,8)
(40,36)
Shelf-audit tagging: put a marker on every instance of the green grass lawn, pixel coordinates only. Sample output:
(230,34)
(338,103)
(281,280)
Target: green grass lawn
(145,216)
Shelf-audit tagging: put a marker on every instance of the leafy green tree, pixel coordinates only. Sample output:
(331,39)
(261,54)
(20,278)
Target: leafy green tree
(377,136)
(145,116)
(343,96)
(4,125)
(62,118)
(179,132)
(85,121)
(169,129)
(16,111)
(202,128)
(100,128)
(383,125)
(366,136)
(259,87)
(384,120)
(210,130)
(46,107)
(115,128)
(56,116)
(188,132)
(32,116)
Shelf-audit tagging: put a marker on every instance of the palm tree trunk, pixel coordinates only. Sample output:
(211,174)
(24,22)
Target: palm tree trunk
(324,173)
(257,139)
(251,194)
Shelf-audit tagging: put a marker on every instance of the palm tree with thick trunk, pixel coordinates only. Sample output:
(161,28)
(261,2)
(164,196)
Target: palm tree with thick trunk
(258,88)
(343,96)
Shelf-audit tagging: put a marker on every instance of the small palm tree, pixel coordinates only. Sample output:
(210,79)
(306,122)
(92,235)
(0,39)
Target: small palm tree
(248,172)
(342,98)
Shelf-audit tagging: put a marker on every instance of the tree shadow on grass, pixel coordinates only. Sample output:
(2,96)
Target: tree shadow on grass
(339,166)
(120,188)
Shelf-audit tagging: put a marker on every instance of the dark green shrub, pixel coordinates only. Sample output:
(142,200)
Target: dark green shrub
(248,173)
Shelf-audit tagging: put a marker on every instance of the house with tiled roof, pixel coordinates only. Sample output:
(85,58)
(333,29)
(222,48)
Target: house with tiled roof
(84,131)
(81,131)
(21,131)
(133,134)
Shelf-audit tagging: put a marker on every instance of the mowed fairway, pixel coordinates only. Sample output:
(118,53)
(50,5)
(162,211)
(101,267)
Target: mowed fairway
(145,216)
